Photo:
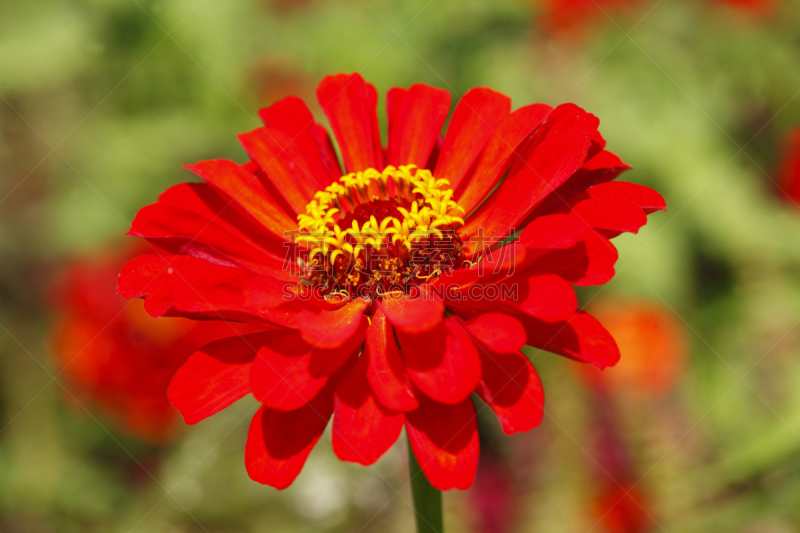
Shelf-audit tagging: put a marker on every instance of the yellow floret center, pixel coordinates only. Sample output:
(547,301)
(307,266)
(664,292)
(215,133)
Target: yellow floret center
(430,209)
(374,227)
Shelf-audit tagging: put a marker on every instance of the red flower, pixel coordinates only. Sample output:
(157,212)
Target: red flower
(114,356)
(391,309)
(573,16)
(623,509)
(789,169)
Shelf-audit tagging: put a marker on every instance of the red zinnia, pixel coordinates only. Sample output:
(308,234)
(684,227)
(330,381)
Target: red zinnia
(360,326)
(114,356)
(572,16)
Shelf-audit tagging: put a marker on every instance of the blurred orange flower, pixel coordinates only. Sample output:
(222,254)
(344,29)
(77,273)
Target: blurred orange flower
(115,357)
(622,509)
(652,348)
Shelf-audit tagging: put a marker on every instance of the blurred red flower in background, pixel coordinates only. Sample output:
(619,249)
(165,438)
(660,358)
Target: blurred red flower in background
(572,17)
(278,77)
(618,503)
(622,509)
(652,346)
(751,6)
(346,274)
(114,356)
(789,167)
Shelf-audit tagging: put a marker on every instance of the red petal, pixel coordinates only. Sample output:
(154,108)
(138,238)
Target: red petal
(552,161)
(331,329)
(496,159)
(443,362)
(279,442)
(512,388)
(645,197)
(327,151)
(394,104)
(287,169)
(292,116)
(387,372)
(415,129)
(183,232)
(288,372)
(208,202)
(476,117)
(348,103)
(215,376)
(610,216)
(363,429)
(582,338)
(247,191)
(413,313)
(558,231)
(179,285)
(498,332)
(547,297)
(571,117)
(590,262)
(444,439)
(603,167)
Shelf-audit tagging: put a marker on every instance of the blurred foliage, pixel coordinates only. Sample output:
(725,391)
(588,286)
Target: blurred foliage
(103,101)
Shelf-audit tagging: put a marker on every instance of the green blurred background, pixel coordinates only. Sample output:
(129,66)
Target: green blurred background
(104,100)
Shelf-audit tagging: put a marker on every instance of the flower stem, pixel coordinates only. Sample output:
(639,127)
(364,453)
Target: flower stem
(427,499)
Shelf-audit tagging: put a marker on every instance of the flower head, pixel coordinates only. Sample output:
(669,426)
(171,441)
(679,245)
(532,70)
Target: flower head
(391,290)
(114,356)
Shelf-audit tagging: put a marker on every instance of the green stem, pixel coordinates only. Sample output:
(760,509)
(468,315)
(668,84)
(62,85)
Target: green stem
(427,499)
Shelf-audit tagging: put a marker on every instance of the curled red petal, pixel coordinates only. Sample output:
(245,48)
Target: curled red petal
(538,173)
(279,442)
(645,197)
(443,362)
(581,337)
(444,439)
(590,262)
(363,429)
(610,216)
(512,388)
(387,372)
(504,144)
